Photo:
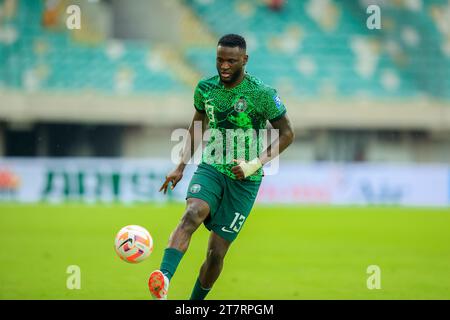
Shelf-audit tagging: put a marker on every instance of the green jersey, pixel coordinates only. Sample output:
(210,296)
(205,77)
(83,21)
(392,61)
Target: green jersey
(237,120)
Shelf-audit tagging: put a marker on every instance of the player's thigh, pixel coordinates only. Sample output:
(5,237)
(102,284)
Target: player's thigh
(236,205)
(207,184)
(197,210)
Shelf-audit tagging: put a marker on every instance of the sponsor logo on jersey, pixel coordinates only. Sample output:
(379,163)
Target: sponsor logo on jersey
(240,105)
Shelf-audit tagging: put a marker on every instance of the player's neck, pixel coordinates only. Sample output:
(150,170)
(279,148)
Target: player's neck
(235,83)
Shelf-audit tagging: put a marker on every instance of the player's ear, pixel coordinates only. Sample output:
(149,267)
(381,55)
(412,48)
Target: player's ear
(245,59)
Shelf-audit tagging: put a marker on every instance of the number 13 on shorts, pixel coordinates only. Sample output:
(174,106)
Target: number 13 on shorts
(236,225)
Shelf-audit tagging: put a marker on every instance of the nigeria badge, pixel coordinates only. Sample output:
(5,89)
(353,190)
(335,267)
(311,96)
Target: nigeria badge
(195,188)
(240,105)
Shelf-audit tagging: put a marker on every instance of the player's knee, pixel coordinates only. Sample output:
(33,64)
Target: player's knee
(215,256)
(192,218)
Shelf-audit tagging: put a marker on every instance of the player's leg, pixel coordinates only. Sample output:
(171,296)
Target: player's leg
(237,202)
(197,210)
(212,266)
(204,193)
(195,213)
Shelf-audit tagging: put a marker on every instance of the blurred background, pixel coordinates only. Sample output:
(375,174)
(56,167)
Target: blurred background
(118,86)
(86,115)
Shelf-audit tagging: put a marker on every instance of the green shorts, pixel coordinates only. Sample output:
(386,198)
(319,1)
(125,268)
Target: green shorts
(230,201)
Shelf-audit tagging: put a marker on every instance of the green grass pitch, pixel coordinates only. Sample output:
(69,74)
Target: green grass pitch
(283,252)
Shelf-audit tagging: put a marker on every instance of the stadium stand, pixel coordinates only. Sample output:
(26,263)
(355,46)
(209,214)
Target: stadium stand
(353,93)
(304,48)
(36,58)
(311,48)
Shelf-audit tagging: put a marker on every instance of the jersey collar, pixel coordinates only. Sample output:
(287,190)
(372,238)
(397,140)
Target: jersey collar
(240,83)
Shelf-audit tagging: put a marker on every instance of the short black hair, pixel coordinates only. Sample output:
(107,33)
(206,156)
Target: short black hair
(232,40)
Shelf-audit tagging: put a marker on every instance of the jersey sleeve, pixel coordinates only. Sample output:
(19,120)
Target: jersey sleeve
(199,101)
(274,108)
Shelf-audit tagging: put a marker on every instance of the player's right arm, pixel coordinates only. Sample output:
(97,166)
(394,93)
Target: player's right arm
(189,149)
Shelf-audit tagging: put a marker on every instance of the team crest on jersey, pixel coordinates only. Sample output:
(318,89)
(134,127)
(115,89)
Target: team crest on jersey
(240,105)
(195,188)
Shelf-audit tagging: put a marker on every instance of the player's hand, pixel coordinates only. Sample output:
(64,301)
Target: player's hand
(246,168)
(237,170)
(173,177)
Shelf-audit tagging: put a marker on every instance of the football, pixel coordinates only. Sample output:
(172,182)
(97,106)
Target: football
(133,244)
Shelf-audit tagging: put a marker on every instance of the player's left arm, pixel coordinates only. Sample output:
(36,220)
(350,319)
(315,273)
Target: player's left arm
(286,136)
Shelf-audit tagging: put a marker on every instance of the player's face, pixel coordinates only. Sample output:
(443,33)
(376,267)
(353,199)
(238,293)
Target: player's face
(230,63)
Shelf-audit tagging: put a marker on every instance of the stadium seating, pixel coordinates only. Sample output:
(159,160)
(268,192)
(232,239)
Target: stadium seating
(307,49)
(41,59)
(312,48)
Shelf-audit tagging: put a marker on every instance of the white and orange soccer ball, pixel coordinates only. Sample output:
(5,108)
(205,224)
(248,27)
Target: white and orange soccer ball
(133,244)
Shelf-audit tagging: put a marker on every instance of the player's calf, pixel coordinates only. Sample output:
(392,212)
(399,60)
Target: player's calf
(209,272)
(212,266)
